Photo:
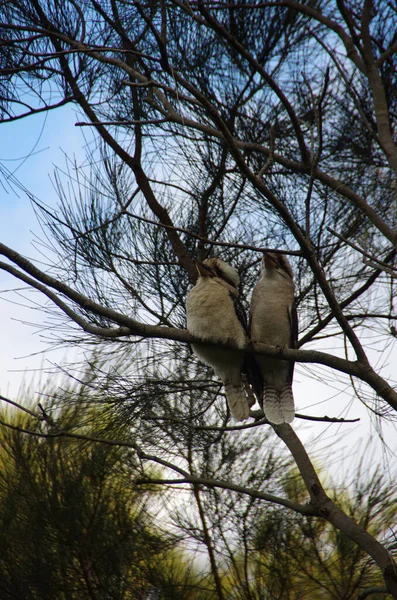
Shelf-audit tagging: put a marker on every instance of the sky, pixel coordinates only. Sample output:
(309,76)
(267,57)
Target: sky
(30,150)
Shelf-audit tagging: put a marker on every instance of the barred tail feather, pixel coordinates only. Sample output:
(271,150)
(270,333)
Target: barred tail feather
(279,406)
(237,401)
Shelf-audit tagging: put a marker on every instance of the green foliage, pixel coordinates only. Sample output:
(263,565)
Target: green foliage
(72,523)
(293,557)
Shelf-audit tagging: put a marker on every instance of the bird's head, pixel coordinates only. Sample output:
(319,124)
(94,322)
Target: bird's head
(277,263)
(216,267)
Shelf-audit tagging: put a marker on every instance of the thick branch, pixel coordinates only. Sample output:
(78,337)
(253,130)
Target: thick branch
(332,513)
(129,326)
(385,135)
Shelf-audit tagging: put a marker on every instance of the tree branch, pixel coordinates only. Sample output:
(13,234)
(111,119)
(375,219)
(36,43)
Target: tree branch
(128,326)
(332,513)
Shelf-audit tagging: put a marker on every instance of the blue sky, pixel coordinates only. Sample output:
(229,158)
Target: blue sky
(29,150)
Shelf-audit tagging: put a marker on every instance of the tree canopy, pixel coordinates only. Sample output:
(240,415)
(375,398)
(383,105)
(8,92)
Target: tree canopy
(223,128)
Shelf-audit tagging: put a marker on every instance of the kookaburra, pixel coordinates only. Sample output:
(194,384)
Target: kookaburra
(273,321)
(214,313)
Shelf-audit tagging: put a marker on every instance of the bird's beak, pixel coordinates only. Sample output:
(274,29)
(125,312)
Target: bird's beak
(269,260)
(203,270)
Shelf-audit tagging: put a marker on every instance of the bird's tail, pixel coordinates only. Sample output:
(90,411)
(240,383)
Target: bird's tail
(237,400)
(278,406)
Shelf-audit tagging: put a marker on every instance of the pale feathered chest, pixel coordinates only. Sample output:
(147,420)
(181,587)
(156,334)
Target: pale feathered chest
(211,314)
(271,310)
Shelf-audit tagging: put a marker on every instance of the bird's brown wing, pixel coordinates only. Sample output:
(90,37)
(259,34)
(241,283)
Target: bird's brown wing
(293,321)
(240,312)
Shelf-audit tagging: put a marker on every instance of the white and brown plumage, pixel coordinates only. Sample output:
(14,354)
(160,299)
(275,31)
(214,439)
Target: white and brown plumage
(273,321)
(213,313)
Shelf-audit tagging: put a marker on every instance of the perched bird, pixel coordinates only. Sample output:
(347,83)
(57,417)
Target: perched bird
(215,313)
(273,321)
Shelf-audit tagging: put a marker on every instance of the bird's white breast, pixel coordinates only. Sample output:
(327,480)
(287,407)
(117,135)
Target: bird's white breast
(211,314)
(271,306)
